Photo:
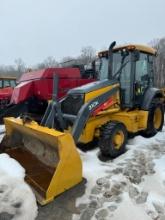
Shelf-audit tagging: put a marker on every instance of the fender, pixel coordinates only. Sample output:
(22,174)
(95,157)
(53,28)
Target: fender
(148,97)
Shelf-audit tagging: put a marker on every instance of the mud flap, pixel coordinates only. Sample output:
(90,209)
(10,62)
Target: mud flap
(50,158)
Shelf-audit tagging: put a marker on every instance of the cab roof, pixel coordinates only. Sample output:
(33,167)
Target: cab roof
(140,47)
(8,77)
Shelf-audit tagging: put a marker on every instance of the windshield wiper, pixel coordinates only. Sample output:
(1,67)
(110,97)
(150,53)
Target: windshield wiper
(120,69)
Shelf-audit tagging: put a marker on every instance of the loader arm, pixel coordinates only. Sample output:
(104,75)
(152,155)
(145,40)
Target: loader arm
(53,110)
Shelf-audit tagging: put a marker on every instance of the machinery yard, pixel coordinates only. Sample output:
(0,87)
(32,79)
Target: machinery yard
(111,172)
(82,110)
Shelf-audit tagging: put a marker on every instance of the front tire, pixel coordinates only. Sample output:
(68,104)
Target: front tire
(113,138)
(155,120)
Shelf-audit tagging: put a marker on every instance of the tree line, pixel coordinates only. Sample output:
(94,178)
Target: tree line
(87,55)
(159,62)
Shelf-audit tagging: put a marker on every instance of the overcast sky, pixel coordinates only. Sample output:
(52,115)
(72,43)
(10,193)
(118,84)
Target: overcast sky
(36,29)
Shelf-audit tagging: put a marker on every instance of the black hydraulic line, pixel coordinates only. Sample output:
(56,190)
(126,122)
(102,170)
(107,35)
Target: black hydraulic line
(53,111)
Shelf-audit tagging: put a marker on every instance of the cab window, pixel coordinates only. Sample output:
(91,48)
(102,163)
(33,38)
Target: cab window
(141,74)
(12,83)
(103,69)
(6,83)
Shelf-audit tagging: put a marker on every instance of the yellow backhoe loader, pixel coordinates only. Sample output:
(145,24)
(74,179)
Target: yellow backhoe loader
(123,102)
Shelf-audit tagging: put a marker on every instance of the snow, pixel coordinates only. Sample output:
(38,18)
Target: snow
(131,186)
(12,168)
(92,167)
(16,197)
(2,129)
(128,211)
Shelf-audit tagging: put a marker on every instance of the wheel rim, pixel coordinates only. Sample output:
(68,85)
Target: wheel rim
(157,118)
(118,140)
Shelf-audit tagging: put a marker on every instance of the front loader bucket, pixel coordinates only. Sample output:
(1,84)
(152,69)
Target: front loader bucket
(50,157)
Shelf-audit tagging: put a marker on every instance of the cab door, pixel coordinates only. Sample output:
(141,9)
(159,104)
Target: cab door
(126,85)
(143,77)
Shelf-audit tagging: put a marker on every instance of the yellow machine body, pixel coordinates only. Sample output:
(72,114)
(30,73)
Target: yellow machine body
(50,158)
(96,93)
(135,120)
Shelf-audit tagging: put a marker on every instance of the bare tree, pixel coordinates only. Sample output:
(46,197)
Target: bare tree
(68,61)
(20,65)
(47,63)
(7,70)
(88,54)
(50,62)
(159,63)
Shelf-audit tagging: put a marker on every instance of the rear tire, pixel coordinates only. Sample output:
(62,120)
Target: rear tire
(113,138)
(155,120)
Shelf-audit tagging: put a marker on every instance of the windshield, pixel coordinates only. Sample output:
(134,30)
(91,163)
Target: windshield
(121,65)
(7,83)
(13,83)
(103,70)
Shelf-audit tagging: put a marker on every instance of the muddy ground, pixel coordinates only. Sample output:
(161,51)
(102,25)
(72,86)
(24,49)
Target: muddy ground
(64,206)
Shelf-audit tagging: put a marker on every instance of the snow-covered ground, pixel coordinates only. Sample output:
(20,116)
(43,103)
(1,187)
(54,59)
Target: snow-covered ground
(2,129)
(129,187)
(17,201)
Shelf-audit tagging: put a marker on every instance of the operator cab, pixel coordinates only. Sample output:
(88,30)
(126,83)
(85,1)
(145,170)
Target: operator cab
(7,82)
(132,66)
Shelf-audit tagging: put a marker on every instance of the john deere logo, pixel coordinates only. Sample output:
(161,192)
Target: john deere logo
(92,105)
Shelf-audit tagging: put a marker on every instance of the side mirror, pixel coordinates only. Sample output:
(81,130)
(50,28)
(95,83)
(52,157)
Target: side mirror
(124,52)
(136,56)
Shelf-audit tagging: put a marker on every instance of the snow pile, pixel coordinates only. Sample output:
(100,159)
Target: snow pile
(17,201)
(130,187)
(2,128)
